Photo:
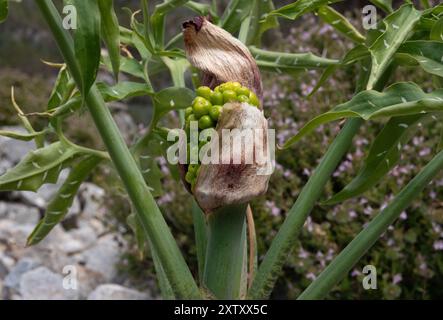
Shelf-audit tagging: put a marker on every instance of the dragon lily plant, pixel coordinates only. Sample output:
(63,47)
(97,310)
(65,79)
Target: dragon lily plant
(224,51)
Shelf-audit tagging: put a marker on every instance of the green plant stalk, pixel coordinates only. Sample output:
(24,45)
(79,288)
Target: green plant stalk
(283,242)
(201,237)
(225,252)
(341,265)
(152,220)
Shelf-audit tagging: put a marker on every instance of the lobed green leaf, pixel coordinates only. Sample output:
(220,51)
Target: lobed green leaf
(398,26)
(399,99)
(296,9)
(58,207)
(38,167)
(340,23)
(382,157)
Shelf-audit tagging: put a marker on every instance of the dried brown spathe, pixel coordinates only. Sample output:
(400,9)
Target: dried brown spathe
(240,181)
(220,56)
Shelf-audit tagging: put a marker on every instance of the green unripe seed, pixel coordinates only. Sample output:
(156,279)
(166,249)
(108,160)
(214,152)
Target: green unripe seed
(242,98)
(205,122)
(201,107)
(235,85)
(243,91)
(217,98)
(215,111)
(253,99)
(193,168)
(204,92)
(229,96)
(188,112)
(189,177)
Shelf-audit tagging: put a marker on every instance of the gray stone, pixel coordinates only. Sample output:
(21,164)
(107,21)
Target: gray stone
(43,284)
(92,198)
(19,213)
(12,280)
(14,150)
(13,233)
(116,292)
(103,256)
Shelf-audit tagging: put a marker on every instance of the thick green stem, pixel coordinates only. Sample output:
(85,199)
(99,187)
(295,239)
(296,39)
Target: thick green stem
(149,214)
(225,252)
(341,265)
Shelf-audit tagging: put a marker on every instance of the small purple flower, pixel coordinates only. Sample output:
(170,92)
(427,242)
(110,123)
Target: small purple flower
(397,278)
(438,245)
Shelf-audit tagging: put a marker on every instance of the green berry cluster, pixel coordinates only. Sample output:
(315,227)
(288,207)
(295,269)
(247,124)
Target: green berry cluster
(206,109)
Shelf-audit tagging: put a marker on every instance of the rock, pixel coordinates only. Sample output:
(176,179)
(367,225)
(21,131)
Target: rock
(3,270)
(19,213)
(92,198)
(5,261)
(12,280)
(4,165)
(86,234)
(103,257)
(43,284)
(14,150)
(13,233)
(116,292)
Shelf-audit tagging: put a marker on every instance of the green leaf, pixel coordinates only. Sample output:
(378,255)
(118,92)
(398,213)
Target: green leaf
(124,90)
(296,9)
(234,14)
(87,42)
(429,54)
(22,136)
(383,156)
(398,26)
(324,76)
(62,89)
(58,207)
(385,5)
(135,224)
(173,98)
(111,33)
(286,61)
(203,9)
(150,169)
(139,233)
(3,10)
(437,30)
(340,23)
(37,168)
(127,65)
(163,282)
(399,99)
(158,18)
(357,53)
(271,22)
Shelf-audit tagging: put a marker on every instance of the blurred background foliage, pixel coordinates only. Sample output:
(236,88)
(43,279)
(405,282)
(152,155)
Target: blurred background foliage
(409,255)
